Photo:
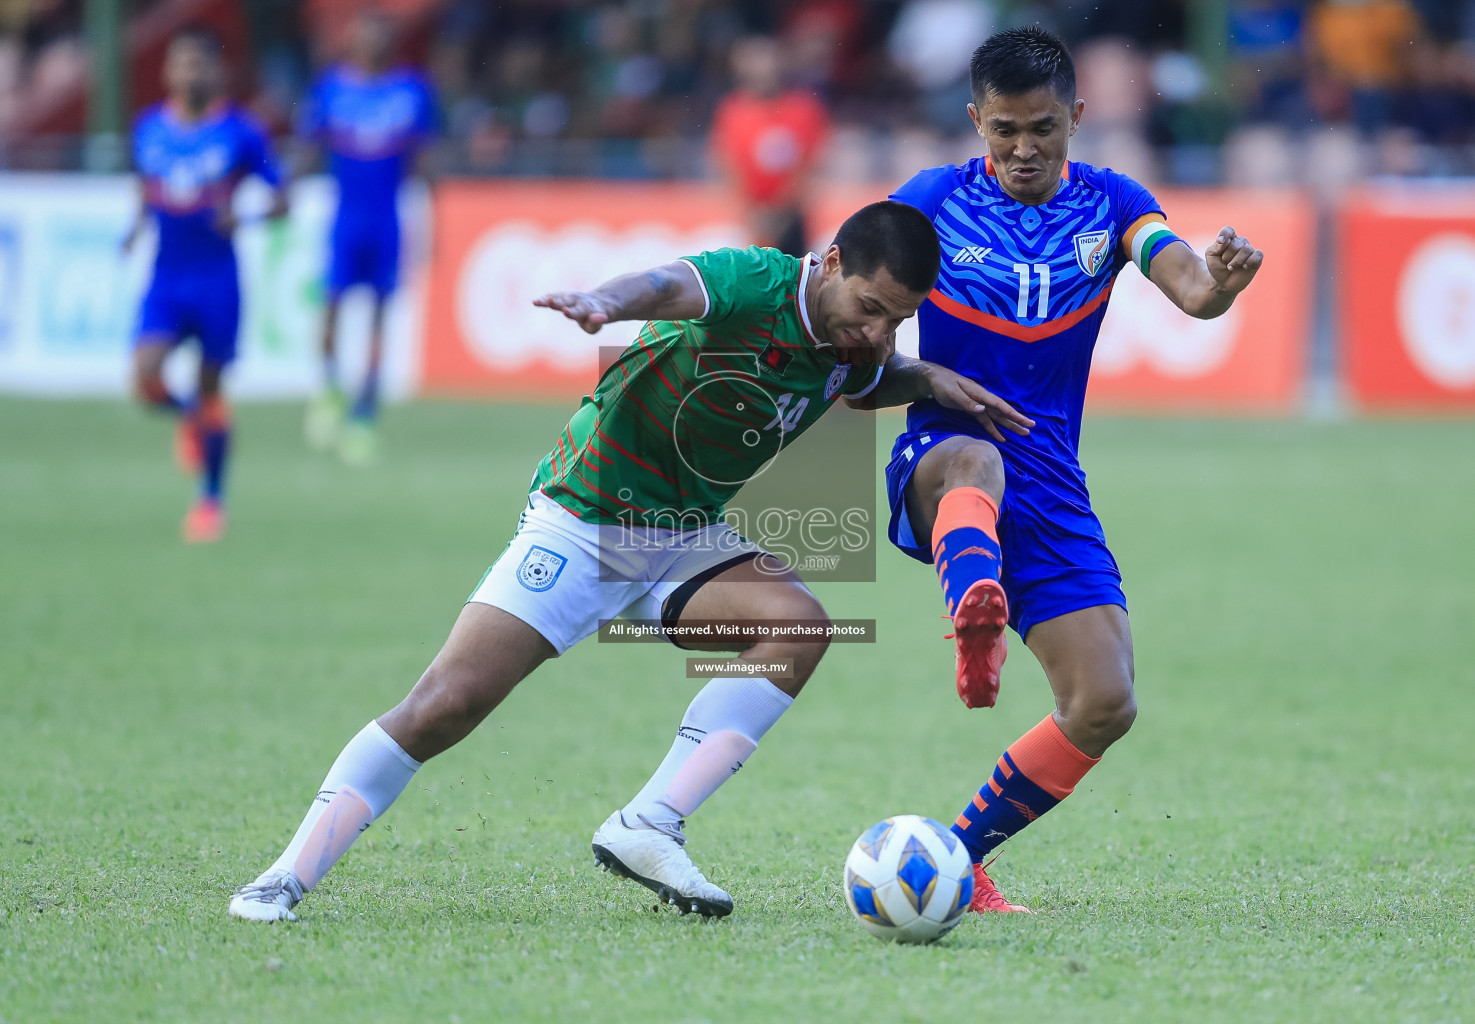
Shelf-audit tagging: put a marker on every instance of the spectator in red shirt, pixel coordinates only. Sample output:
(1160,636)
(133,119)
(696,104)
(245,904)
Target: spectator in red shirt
(767,140)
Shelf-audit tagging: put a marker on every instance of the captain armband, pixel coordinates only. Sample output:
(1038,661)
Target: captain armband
(1150,239)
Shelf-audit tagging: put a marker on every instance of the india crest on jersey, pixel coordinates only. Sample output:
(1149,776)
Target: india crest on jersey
(1092,248)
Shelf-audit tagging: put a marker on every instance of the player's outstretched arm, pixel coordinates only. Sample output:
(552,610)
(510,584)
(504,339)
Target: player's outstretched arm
(1206,286)
(671,292)
(905,380)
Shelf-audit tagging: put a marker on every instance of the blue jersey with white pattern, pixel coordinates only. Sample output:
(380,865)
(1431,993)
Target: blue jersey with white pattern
(371,127)
(190,171)
(1019,301)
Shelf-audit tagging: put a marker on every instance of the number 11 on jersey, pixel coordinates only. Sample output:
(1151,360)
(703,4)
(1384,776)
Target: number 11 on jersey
(1042,307)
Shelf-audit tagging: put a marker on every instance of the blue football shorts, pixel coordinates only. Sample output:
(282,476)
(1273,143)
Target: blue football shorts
(364,250)
(1054,550)
(204,305)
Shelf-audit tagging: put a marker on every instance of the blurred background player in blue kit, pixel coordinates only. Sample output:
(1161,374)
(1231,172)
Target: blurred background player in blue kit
(191,152)
(372,118)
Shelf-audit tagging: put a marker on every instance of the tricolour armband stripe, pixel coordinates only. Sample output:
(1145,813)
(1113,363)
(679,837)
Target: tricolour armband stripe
(1145,241)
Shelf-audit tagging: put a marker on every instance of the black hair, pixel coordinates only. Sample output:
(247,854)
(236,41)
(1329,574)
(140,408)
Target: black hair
(1020,60)
(892,235)
(203,36)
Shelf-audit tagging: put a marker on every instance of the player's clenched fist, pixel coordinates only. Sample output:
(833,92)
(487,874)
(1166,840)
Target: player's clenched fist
(581,307)
(1232,260)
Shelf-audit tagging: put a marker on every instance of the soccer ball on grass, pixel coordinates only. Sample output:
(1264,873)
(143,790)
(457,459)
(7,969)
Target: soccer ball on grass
(908,879)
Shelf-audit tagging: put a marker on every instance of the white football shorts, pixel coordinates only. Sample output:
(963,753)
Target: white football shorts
(563,576)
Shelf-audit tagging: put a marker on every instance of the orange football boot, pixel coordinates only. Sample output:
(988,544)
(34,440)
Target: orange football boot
(978,627)
(204,523)
(988,899)
(189,453)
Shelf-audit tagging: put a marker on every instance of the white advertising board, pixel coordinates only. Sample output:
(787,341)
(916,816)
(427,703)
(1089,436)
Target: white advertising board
(69,297)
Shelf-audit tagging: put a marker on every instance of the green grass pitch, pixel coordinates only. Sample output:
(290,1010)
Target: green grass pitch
(1287,834)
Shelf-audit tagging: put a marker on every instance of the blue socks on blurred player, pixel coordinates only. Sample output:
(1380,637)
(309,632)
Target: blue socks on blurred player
(367,405)
(965,542)
(1039,770)
(213,423)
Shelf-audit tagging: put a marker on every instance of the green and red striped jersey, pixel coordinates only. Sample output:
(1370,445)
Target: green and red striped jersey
(693,409)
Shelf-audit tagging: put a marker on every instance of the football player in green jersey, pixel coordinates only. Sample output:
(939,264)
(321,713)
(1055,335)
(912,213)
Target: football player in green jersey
(742,351)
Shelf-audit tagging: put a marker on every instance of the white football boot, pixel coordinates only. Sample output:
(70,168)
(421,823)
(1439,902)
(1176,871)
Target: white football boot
(654,856)
(270,898)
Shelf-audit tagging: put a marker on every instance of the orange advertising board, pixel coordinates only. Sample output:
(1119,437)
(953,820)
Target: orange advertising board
(1254,358)
(498,245)
(1407,303)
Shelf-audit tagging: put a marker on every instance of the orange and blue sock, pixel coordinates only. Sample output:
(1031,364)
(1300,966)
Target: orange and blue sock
(214,427)
(1039,770)
(965,542)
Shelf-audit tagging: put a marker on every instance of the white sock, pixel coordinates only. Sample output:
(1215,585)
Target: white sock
(374,769)
(724,722)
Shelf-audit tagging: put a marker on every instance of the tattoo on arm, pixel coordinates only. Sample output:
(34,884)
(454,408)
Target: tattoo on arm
(667,293)
(660,282)
(903,381)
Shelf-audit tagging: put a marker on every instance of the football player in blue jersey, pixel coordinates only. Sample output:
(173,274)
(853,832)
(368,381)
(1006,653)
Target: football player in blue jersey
(372,118)
(1031,246)
(191,152)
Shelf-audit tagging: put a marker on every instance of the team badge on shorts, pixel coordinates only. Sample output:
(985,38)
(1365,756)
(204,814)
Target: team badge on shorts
(540,568)
(837,380)
(1092,248)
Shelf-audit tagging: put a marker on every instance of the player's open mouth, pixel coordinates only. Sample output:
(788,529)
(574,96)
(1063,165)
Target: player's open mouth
(1025,172)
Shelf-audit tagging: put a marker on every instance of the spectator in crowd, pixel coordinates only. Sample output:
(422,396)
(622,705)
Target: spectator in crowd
(932,41)
(629,87)
(40,56)
(1365,46)
(822,44)
(767,140)
(1267,40)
